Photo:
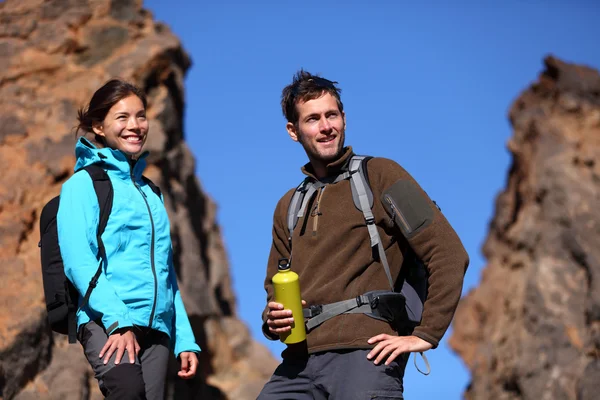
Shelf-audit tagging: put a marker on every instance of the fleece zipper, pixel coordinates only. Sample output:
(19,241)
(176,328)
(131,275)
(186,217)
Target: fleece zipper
(317,210)
(396,211)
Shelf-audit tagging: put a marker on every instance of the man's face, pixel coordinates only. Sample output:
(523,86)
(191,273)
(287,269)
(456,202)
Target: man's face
(320,129)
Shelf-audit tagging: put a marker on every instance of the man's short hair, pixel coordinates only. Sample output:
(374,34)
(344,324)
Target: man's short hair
(305,87)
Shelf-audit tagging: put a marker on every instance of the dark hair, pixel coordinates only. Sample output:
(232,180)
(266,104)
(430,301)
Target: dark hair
(103,99)
(304,87)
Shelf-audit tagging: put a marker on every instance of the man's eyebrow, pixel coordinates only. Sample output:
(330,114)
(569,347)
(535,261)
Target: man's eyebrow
(314,114)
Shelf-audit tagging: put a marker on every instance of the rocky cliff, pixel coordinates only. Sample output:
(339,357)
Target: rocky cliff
(53,55)
(531,330)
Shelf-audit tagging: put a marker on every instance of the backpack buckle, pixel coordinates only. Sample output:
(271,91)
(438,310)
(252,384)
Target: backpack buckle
(315,310)
(370,221)
(374,303)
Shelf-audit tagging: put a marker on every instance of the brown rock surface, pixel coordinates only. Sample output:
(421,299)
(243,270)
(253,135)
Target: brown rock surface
(531,330)
(53,55)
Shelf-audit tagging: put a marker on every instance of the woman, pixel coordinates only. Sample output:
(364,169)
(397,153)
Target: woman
(135,314)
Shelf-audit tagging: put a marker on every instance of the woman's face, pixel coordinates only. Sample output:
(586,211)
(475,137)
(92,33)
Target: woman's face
(125,126)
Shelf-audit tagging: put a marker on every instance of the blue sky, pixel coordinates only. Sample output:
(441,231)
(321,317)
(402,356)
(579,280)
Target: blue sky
(428,85)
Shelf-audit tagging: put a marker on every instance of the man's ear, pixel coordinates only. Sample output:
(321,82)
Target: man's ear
(292,131)
(344,117)
(98,129)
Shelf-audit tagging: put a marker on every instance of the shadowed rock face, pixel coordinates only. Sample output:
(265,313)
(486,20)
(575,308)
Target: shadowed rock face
(532,328)
(53,55)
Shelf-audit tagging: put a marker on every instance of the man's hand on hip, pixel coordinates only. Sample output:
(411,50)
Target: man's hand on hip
(392,346)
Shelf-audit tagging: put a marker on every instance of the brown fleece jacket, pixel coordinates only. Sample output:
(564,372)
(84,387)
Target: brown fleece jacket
(332,256)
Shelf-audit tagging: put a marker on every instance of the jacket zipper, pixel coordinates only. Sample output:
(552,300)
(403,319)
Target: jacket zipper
(151,249)
(317,211)
(397,212)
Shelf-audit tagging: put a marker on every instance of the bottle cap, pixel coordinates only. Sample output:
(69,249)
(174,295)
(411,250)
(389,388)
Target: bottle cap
(284,264)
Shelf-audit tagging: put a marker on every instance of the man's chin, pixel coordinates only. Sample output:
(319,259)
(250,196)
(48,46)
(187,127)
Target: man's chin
(331,156)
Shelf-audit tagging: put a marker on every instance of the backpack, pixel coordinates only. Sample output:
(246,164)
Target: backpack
(60,294)
(403,308)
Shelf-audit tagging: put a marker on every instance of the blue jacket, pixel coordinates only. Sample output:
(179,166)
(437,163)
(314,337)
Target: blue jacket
(138,285)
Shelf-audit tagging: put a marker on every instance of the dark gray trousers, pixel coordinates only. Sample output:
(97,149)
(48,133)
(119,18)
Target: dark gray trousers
(343,375)
(144,380)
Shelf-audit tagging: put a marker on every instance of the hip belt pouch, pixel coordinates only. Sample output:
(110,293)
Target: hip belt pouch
(388,306)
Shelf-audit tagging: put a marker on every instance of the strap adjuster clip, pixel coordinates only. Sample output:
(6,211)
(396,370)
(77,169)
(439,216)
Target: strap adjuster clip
(370,221)
(359,301)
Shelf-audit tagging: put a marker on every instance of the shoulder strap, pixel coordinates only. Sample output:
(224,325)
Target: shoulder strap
(104,192)
(358,164)
(297,206)
(363,199)
(154,188)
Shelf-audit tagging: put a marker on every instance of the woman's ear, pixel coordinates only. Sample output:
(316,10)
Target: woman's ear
(98,129)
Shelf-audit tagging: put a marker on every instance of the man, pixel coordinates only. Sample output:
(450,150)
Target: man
(352,355)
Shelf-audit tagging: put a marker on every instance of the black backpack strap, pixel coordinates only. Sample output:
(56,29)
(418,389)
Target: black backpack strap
(154,188)
(72,321)
(104,192)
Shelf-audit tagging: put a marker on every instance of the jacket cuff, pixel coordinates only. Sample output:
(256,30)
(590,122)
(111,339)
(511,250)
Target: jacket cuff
(186,346)
(430,339)
(268,335)
(111,325)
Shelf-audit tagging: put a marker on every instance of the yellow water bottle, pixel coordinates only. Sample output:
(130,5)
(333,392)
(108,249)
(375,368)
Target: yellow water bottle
(287,292)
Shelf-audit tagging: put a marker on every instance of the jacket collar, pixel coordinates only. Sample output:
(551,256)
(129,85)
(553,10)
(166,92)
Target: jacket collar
(334,168)
(112,160)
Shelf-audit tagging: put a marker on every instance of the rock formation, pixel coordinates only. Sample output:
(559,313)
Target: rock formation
(53,55)
(531,330)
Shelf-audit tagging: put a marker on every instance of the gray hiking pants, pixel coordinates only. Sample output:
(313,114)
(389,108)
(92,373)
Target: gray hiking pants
(124,381)
(336,375)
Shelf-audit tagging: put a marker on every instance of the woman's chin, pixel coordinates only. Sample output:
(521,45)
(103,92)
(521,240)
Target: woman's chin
(131,154)
(132,149)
